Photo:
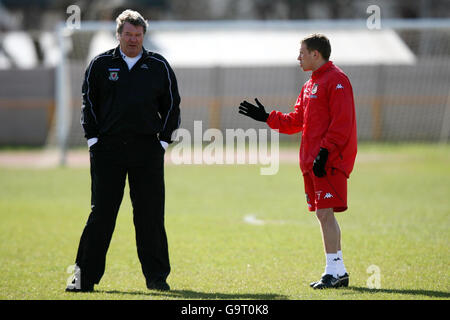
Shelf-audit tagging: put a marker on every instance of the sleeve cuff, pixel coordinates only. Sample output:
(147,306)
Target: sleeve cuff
(269,119)
(164,144)
(92,141)
(165,138)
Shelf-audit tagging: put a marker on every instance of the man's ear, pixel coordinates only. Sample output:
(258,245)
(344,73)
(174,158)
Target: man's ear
(317,54)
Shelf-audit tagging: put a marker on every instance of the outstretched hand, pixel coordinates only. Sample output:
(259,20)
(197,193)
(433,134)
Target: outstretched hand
(257,113)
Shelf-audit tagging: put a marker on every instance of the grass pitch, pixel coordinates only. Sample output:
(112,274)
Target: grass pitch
(398,220)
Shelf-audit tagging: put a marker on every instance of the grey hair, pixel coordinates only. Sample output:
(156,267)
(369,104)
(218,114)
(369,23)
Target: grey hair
(130,16)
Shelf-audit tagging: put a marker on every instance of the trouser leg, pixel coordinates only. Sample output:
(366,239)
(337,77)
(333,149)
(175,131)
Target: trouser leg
(147,195)
(107,186)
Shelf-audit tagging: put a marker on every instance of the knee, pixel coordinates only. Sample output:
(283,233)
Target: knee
(102,218)
(325,215)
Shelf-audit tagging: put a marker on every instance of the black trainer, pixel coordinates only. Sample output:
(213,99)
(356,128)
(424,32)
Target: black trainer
(327,281)
(344,280)
(312,284)
(158,285)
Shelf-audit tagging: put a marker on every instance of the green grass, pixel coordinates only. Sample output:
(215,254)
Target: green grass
(398,220)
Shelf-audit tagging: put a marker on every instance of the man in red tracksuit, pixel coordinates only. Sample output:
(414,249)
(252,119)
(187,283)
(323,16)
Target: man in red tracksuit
(325,114)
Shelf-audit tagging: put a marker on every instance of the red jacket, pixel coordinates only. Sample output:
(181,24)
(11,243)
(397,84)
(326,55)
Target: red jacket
(325,114)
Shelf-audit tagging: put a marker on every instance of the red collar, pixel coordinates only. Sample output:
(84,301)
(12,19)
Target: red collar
(322,69)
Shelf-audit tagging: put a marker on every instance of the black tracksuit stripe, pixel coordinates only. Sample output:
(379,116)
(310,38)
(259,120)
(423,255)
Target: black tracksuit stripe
(88,88)
(170,90)
(87,102)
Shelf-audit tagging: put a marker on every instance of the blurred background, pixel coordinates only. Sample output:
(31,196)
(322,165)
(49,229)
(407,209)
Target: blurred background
(224,51)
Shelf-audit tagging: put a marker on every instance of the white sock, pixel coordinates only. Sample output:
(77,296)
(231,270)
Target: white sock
(340,264)
(331,267)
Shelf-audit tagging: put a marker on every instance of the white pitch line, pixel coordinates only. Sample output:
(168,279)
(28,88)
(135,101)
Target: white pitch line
(251,219)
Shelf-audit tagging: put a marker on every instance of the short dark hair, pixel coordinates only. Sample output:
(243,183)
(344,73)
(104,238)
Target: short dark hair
(320,43)
(132,17)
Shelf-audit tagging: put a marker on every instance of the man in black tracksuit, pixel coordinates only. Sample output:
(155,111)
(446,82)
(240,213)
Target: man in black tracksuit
(130,110)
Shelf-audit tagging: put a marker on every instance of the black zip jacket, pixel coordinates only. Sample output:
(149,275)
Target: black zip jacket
(122,102)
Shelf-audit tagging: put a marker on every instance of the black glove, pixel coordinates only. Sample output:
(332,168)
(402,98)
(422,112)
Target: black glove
(254,112)
(319,163)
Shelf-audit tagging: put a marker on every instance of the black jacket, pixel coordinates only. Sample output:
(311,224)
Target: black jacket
(122,102)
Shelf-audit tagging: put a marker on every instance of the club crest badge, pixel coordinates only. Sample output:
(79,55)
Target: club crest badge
(314,89)
(113,74)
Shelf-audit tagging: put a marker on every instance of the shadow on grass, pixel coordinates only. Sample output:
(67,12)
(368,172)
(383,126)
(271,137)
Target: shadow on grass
(189,294)
(428,293)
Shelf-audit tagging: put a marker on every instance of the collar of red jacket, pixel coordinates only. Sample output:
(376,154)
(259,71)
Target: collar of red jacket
(322,69)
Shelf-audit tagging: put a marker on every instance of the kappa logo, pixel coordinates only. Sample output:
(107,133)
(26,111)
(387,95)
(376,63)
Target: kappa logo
(144,66)
(339,86)
(328,196)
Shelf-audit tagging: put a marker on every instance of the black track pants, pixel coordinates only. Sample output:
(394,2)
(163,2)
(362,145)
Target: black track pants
(112,159)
